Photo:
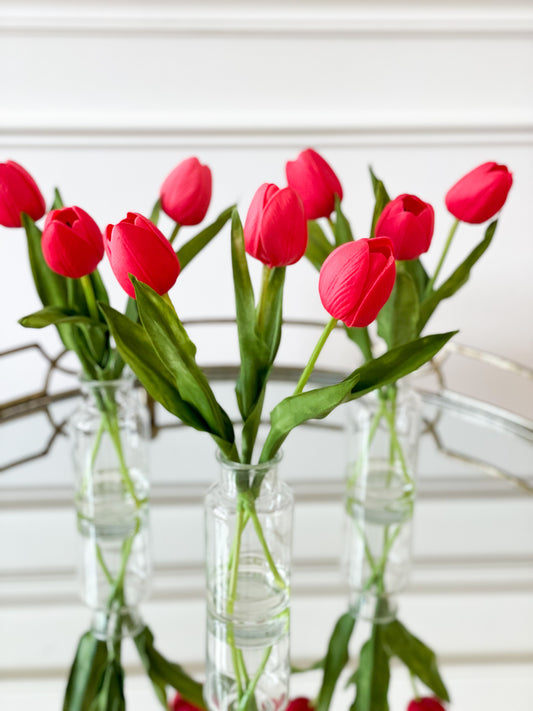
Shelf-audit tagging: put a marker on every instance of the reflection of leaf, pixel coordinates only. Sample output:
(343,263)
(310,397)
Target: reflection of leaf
(86,673)
(373,675)
(416,656)
(163,673)
(336,659)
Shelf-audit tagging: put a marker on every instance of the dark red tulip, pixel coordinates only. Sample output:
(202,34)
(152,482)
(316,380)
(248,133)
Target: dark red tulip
(178,703)
(301,703)
(426,703)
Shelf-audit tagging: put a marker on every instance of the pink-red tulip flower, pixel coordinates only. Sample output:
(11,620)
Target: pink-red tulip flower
(186,192)
(316,183)
(18,193)
(136,246)
(356,280)
(72,242)
(408,222)
(480,194)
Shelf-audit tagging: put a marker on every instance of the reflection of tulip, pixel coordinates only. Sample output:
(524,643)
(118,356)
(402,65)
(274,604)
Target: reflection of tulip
(18,193)
(72,242)
(135,246)
(178,703)
(356,280)
(275,230)
(408,222)
(186,192)
(426,703)
(480,194)
(301,703)
(315,182)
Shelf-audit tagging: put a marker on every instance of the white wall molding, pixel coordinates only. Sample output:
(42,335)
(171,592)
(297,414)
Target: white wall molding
(289,19)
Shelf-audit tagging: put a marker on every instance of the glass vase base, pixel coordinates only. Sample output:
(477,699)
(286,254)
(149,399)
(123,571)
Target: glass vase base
(378,609)
(117,624)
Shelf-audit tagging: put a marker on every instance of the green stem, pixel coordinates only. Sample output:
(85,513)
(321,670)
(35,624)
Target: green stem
(432,281)
(262,298)
(366,345)
(251,686)
(260,535)
(314,356)
(414,686)
(174,233)
(103,565)
(90,297)
(237,658)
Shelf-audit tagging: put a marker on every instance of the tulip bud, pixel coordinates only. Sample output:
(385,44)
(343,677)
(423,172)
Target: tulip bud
(480,194)
(72,242)
(18,193)
(275,230)
(186,192)
(408,222)
(315,182)
(426,703)
(301,703)
(136,246)
(356,280)
(178,703)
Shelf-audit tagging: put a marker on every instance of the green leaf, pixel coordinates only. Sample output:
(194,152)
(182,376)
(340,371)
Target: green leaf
(58,200)
(137,350)
(100,292)
(163,672)
(316,404)
(51,287)
(336,659)
(459,277)
(254,351)
(373,675)
(416,656)
(418,274)
(174,347)
(54,315)
(111,693)
(382,198)
(86,673)
(398,319)
(156,211)
(318,245)
(343,231)
(190,249)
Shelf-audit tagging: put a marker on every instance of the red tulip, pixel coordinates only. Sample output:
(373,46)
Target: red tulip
(72,242)
(315,182)
(356,280)
(136,246)
(480,194)
(186,192)
(301,703)
(427,703)
(18,193)
(178,703)
(408,222)
(275,231)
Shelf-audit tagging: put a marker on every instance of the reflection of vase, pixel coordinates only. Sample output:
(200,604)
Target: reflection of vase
(384,432)
(110,433)
(248,556)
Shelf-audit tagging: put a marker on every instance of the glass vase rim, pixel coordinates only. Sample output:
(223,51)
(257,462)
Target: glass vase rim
(242,467)
(125,379)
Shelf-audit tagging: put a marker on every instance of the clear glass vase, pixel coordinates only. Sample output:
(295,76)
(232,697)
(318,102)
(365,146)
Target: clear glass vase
(248,518)
(110,433)
(384,433)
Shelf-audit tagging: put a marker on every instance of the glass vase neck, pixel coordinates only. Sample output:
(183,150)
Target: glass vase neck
(236,478)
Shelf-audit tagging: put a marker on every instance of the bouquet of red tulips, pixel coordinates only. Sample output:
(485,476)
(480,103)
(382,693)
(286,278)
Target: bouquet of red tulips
(379,277)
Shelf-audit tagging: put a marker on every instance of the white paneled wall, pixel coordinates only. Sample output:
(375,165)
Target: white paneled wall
(103,98)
